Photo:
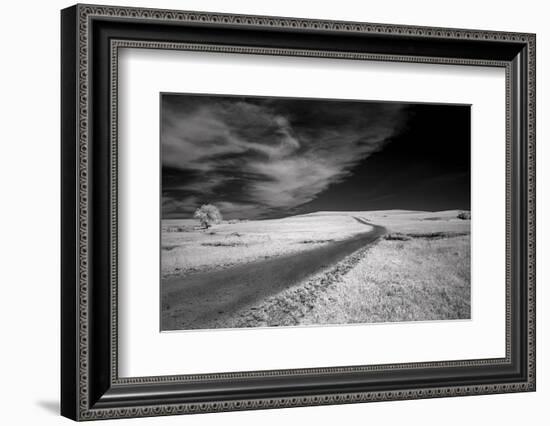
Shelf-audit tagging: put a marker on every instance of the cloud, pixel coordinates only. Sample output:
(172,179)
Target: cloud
(256,157)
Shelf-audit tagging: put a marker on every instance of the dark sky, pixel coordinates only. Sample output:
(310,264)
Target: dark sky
(259,157)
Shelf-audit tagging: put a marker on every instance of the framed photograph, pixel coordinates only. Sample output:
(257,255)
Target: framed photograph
(263,212)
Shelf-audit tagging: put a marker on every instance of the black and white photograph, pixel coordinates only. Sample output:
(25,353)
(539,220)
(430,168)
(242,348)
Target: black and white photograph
(295,212)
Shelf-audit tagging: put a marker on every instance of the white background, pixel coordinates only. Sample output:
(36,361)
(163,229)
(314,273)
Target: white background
(29,225)
(146,352)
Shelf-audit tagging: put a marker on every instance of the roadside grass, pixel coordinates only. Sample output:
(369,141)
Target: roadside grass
(430,235)
(414,280)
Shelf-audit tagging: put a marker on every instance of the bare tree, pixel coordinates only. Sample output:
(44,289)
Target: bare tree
(208,214)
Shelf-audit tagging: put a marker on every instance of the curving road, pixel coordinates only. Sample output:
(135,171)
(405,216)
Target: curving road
(197,300)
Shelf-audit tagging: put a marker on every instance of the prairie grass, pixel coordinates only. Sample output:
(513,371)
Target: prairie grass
(187,248)
(413,280)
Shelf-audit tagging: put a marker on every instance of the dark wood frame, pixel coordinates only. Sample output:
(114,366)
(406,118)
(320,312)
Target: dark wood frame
(91,37)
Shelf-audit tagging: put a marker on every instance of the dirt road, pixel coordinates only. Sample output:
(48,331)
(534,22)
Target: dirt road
(198,300)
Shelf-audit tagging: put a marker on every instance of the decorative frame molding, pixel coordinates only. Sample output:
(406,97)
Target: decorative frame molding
(91,388)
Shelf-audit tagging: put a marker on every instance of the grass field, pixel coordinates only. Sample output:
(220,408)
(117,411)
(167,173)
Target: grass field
(186,248)
(418,270)
(415,280)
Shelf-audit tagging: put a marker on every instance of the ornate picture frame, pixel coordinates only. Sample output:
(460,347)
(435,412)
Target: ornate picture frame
(91,37)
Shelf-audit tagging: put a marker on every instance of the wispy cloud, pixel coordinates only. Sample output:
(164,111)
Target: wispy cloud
(256,157)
